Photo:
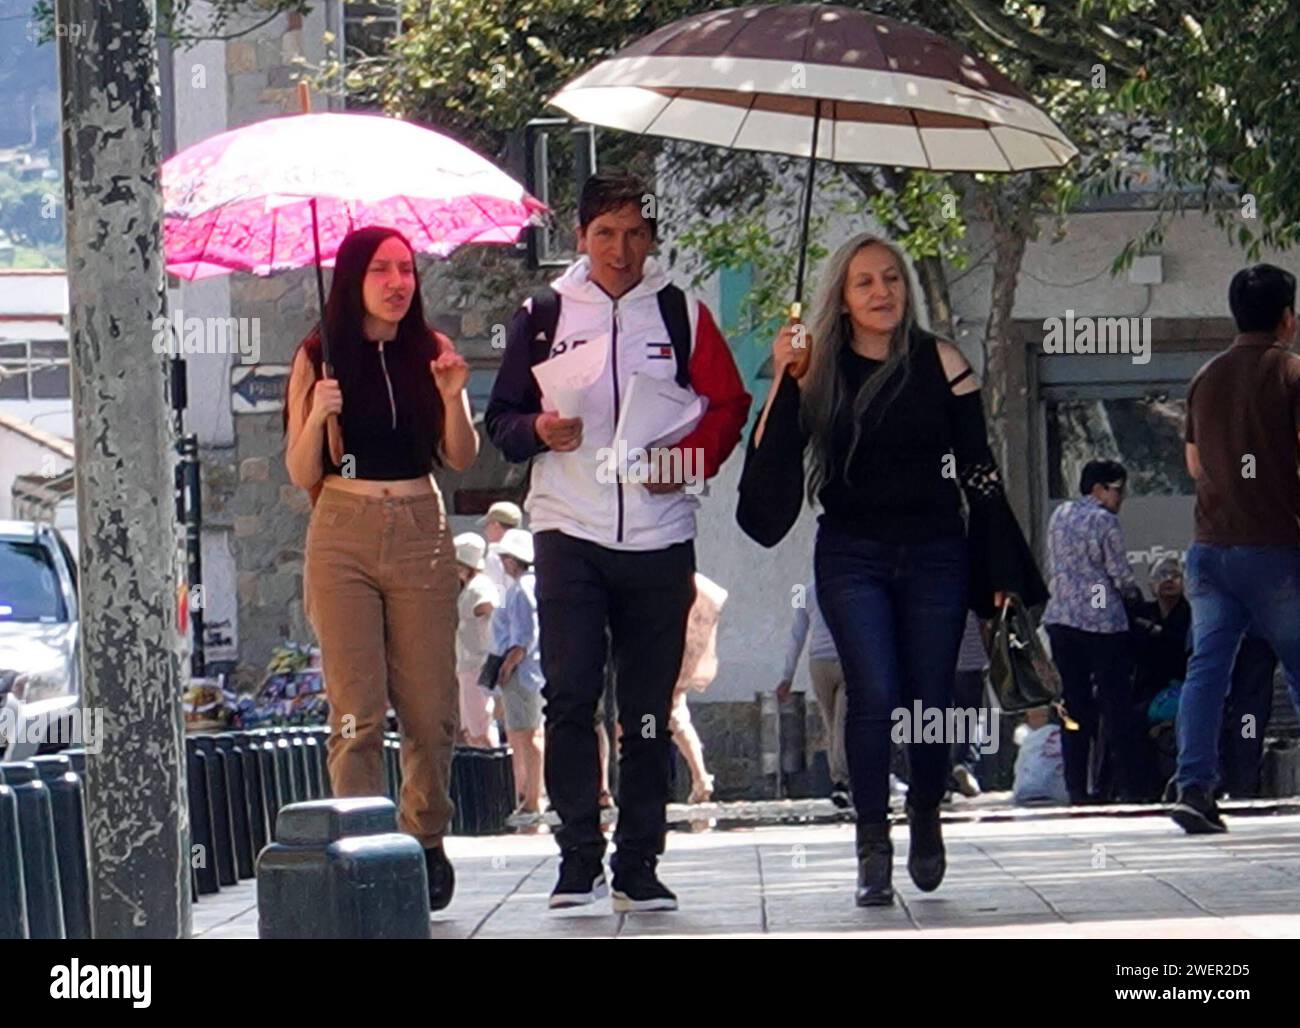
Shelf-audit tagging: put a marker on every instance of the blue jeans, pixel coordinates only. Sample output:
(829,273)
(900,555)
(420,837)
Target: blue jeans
(1232,588)
(896,613)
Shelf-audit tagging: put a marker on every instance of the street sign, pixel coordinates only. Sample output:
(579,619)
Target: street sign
(258,388)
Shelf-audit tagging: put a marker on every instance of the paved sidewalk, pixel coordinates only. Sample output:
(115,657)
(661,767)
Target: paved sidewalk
(1132,877)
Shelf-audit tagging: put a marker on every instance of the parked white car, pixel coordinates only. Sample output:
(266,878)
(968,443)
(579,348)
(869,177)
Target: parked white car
(40,691)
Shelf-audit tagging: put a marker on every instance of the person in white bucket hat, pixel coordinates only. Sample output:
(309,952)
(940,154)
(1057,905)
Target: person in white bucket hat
(479,597)
(515,635)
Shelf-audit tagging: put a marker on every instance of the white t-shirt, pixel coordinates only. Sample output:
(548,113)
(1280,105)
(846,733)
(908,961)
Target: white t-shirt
(473,634)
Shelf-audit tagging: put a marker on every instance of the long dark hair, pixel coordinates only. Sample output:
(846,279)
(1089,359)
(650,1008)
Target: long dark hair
(825,393)
(344,320)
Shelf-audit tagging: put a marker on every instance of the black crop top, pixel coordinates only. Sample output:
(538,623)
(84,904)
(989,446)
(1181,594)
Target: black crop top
(392,412)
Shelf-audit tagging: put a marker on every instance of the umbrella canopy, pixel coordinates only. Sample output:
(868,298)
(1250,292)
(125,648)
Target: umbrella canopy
(884,92)
(244,200)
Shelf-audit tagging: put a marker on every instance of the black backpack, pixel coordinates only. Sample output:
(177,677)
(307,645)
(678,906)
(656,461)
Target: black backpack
(545,317)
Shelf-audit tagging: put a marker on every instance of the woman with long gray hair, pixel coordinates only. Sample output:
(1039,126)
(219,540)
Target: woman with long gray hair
(888,423)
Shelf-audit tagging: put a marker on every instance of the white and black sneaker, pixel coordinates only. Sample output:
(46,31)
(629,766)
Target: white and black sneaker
(840,796)
(637,889)
(581,883)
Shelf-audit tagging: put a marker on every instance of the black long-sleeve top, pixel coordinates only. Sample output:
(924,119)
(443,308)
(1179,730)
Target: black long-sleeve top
(914,461)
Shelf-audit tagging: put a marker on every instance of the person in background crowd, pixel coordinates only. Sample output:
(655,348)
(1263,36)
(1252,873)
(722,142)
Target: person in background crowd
(499,519)
(1088,627)
(827,677)
(968,694)
(613,554)
(889,425)
(379,574)
(1245,718)
(520,678)
(1161,631)
(1243,569)
(478,599)
(699,668)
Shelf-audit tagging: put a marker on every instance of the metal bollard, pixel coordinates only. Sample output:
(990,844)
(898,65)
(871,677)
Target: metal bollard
(40,862)
(339,869)
(13,893)
(315,769)
(393,755)
(265,748)
(236,791)
(223,842)
(68,806)
(323,740)
(196,785)
(302,773)
(252,762)
(284,769)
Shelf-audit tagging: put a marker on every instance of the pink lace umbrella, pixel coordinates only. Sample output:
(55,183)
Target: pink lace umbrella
(283,193)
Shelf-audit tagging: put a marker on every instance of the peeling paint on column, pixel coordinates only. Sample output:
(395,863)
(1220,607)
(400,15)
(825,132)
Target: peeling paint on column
(130,648)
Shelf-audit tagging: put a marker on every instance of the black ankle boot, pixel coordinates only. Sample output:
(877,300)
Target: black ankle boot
(875,866)
(926,861)
(442,879)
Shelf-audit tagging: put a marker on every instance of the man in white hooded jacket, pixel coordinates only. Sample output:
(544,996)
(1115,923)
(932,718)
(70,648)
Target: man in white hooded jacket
(613,552)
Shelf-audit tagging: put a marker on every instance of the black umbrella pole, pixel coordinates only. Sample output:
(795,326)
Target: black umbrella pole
(806,215)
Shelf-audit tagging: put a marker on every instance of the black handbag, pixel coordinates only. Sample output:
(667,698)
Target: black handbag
(487,677)
(1020,671)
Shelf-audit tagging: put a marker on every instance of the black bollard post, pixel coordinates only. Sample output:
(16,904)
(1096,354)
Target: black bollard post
(284,769)
(315,769)
(68,806)
(196,783)
(248,744)
(271,804)
(40,862)
(301,775)
(13,894)
(236,791)
(219,801)
(392,747)
(323,741)
(339,869)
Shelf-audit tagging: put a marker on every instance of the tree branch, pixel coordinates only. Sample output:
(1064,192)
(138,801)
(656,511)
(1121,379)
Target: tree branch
(1011,34)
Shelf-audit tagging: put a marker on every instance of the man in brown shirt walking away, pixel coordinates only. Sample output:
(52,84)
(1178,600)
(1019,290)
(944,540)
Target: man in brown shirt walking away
(1243,569)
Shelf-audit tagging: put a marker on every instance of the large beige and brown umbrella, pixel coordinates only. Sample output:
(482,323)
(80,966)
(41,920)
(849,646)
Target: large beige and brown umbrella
(819,81)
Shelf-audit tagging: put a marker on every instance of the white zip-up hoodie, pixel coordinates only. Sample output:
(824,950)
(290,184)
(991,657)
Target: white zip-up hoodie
(569,491)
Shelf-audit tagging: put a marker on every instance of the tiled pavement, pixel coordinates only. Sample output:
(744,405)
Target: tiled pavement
(1133,877)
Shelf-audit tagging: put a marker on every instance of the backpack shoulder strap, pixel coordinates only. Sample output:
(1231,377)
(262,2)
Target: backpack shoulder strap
(543,320)
(672,308)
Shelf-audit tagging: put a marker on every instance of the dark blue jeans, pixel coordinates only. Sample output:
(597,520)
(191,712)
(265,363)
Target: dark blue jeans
(1230,589)
(896,613)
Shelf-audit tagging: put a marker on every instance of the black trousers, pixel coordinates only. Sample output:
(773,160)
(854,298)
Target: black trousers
(1096,671)
(1241,749)
(644,598)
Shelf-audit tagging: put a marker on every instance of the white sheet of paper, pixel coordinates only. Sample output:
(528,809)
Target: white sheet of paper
(656,412)
(564,377)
